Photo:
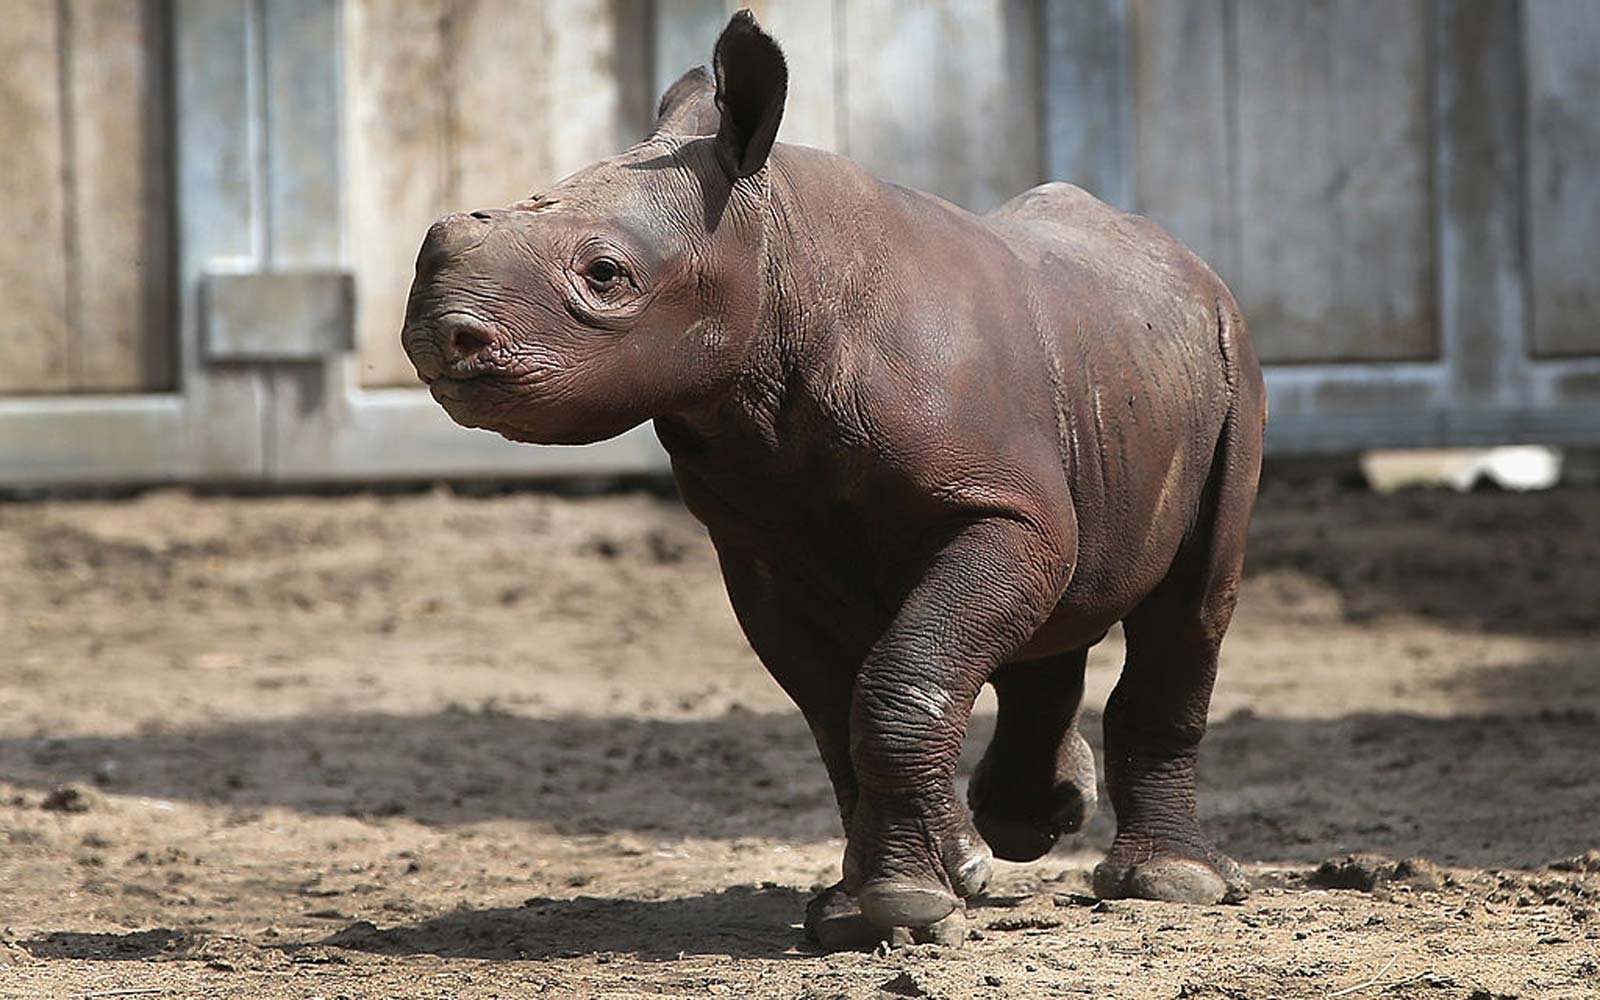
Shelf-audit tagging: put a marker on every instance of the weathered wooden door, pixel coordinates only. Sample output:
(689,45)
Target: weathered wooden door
(1404,196)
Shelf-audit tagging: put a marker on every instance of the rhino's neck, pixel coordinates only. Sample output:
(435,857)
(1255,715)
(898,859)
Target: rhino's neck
(821,268)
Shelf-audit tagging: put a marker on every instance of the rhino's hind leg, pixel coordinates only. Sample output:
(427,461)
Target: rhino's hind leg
(1157,713)
(1036,780)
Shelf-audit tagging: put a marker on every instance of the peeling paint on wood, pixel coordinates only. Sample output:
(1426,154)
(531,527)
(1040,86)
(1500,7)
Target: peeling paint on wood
(463,104)
(34,326)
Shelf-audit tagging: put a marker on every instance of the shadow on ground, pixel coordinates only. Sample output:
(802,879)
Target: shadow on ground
(1508,789)
(739,922)
(135,946)
(1510,563)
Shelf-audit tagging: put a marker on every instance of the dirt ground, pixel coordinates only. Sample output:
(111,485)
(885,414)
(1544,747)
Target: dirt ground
(441,746)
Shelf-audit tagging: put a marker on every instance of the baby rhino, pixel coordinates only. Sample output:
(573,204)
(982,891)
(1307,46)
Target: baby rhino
(933,451)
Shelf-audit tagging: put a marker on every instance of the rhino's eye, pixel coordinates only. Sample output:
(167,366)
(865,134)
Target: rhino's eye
(604,274)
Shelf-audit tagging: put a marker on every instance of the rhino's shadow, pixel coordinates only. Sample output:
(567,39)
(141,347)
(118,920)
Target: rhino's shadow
(740,922)
(1502,789)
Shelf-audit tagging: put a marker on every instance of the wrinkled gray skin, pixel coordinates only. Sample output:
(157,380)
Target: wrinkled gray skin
(933,451)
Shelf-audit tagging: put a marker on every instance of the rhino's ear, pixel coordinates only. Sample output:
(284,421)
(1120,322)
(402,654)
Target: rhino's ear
(689,106)
(752,79)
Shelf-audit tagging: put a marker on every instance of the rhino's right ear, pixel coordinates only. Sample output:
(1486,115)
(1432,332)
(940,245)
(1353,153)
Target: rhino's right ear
(689,107)
(752,80)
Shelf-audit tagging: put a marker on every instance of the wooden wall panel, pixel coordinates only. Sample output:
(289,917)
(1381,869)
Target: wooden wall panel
(397,154)
(1087,111)
(1178,57)
(1289,145)
(120,247)
(34,325)
(1334,180)
(302,136)
(462,104)
(1563,198)
(943,95)
(85,249)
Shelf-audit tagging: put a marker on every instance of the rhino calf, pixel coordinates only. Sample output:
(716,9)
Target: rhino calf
(933,451)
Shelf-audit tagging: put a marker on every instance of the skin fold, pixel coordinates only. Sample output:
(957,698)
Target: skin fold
(933,451)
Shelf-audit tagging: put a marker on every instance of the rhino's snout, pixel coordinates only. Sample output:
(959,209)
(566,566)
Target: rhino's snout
(442,342)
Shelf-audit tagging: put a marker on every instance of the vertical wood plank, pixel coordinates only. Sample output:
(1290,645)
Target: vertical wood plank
(686,32)
(1563,100)
(397,103)
(537,95)
(506,129)
(34,325)
(808,33)
(463,104)
(1480,164)
(1334,185)
(1087,97)
(123,336)
(1182,142)
(632,66)
(944,95)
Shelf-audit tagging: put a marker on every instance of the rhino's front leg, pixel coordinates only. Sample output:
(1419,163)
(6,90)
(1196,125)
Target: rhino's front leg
(913,851)
(803,647)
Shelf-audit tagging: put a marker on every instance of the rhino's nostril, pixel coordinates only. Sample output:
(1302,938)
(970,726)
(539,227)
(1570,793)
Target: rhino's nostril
(466,341)
(482,216)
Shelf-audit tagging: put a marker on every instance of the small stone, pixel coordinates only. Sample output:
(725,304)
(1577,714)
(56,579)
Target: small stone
(1589,861)
(11,954)
(1420,874)
(66,799)
(902,985)
(1353,871)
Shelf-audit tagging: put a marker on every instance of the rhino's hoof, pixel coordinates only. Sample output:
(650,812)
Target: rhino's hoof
(1015,839)
(950,932)
(902,904)
(1007,815)
(834,922)
(1171,880)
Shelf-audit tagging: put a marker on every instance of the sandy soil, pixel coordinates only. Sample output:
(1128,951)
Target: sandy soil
(434,746)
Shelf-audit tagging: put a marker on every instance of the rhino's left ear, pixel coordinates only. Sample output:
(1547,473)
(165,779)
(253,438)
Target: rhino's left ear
(689,106)
(752,80)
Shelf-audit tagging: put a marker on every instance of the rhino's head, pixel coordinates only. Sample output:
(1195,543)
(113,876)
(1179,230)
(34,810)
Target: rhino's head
(629,290)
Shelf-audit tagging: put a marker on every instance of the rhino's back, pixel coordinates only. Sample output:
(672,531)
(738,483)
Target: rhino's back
(1068,233)
(1140,333)
(1118,292)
